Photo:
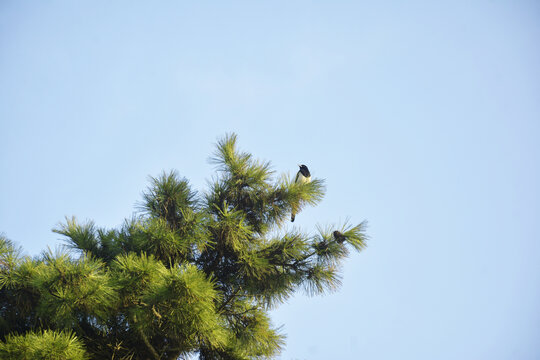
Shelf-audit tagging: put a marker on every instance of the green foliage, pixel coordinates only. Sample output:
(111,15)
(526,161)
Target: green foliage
(46,345)
(168,198)
(70,289)
(193,273)
(9,254)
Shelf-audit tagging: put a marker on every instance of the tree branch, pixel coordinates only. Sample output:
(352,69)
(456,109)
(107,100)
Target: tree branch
(228,300)
(149,346)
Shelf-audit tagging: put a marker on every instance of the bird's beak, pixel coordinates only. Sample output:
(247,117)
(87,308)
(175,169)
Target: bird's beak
(299,165)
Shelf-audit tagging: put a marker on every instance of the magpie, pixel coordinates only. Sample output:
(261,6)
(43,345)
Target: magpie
(340,238)
(302,177)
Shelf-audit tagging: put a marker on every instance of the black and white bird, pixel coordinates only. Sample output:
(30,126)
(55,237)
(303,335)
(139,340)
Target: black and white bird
(302,176)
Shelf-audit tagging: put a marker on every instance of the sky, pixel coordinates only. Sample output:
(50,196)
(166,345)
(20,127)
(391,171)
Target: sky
(423,117)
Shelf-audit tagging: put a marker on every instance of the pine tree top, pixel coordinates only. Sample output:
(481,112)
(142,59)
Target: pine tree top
(193,272)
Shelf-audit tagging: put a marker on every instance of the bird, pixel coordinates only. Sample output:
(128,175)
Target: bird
(340,238)
(302,177)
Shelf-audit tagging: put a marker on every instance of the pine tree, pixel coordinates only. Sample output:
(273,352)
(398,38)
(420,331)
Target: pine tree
(192,273)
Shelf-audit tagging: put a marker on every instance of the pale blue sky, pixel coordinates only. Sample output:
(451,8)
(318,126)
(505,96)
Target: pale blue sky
(422,116)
